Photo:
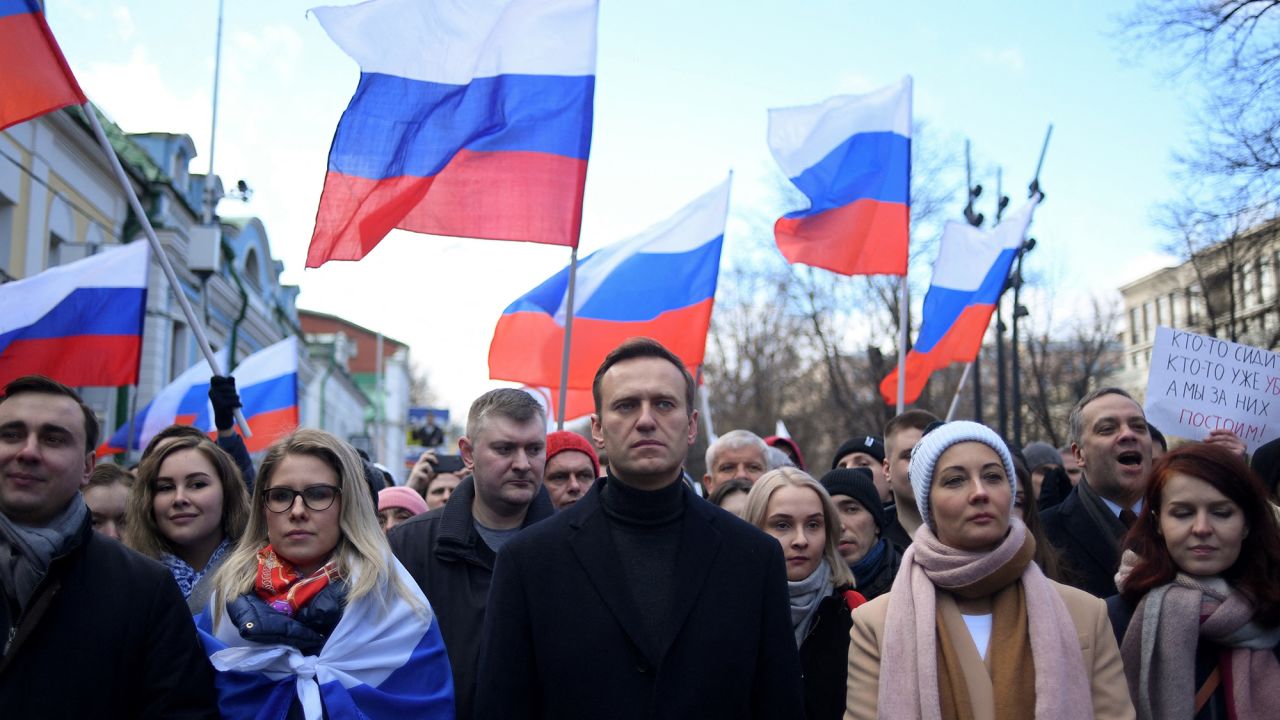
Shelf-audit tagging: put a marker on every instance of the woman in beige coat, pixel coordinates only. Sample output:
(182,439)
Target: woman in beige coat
(972,627)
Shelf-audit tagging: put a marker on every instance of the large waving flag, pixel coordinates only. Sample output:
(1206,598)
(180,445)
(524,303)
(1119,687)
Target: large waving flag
(268,385)
(79,323)
(659,284)
(851,156)
(34,77)
(471,119)
(968,278)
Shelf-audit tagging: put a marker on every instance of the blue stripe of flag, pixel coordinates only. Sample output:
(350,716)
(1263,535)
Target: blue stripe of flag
(867,166)
(642,287)
(87,311)
(396,127)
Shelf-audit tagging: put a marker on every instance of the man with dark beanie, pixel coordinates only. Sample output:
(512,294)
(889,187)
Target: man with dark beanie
(664,605)
(873,560)
(866,451)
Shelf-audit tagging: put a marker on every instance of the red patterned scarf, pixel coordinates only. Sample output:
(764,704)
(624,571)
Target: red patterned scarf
(285,589)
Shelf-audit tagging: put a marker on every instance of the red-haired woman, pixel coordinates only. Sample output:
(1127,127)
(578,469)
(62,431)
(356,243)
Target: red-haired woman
(1198,615)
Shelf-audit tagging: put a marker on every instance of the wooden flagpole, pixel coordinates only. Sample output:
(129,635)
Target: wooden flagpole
(902,290)
(202,341)
(955,400)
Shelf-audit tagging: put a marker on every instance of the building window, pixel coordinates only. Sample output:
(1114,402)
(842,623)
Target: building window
(1193,306)
(1133,326)
(1246,285)
(1172,304)
(1266,280)
(178,350)
(1146,321)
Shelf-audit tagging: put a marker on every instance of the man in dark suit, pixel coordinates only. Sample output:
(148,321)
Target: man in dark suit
(1111,442)
(656,603)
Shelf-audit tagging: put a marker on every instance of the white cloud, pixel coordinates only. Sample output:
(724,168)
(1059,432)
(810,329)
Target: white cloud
(1009,58)
(124,26)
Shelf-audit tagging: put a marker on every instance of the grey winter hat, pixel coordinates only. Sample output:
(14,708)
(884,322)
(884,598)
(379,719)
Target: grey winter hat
(936,441)
(1039,454)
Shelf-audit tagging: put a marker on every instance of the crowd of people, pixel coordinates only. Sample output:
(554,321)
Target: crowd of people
(933,571)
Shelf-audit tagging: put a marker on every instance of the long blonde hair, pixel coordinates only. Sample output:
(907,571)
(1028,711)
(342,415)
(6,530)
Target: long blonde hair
(363,555)
(757,512)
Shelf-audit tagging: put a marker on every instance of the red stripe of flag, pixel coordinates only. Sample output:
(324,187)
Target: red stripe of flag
(34,76)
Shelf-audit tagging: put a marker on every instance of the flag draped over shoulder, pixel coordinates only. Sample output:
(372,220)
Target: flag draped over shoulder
(79,323)
(471,119)
(659,284)
(968,278)
(851,156)
(267,382)
(34,76)
(385,660)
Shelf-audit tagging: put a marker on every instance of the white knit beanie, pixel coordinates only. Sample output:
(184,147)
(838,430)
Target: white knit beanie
(926,453)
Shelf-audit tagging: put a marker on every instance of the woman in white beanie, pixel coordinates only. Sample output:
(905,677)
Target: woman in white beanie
(972,627)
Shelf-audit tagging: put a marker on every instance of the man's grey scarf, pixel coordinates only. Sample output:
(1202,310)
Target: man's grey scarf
(26,552)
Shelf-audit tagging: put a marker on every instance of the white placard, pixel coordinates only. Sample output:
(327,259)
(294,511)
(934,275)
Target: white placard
(1198,383)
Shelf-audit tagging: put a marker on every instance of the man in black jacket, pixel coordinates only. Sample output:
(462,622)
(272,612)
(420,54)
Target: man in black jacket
(1111,442)
(90,628)
(450,551)
(656,603)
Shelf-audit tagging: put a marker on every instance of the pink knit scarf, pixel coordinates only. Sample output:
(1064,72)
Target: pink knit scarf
(1159,651)
(910,647)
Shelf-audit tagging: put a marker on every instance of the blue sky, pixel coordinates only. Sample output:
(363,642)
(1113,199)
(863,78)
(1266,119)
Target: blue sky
(682,93)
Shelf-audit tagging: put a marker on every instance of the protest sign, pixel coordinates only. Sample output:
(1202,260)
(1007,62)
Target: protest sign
(1198,383)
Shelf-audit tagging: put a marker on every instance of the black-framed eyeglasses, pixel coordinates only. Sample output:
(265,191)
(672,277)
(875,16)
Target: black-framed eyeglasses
(315,497)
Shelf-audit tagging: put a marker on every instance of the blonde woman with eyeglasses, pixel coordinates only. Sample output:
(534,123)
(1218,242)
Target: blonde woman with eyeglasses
(312,616)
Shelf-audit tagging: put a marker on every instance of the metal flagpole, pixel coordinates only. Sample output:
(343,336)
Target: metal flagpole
(706,407)
(202,340)
(902,342)
(568,334)
(902,290)
(955,400)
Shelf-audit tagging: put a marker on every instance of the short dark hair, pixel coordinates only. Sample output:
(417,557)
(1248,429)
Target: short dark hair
(106,474)
(1075,420)
(1158,437)
(511,403)
(643,347)
(913,419)
(39,384)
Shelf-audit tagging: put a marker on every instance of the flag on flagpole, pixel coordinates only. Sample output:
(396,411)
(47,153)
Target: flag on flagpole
(851,156)
(34,76)
(471,119)
(968,278)
(659,284)
(79,323)
(267,382)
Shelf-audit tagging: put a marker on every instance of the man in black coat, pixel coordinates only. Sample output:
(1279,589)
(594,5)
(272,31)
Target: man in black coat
(91,629)
(450,551)
(654,602)
(1111,442)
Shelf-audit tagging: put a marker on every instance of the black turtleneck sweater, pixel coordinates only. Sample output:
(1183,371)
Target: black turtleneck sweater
(645,527)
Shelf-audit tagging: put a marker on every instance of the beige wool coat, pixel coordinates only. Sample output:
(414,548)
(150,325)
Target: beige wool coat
(1089,614)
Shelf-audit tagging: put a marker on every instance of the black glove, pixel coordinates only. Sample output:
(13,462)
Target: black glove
(225,399)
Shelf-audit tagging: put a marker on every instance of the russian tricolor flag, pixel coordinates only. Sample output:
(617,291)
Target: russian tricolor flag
(659,284)
(471,119)
(968,278)
(267,382)
(851,156)
(34,76)
(79,323)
